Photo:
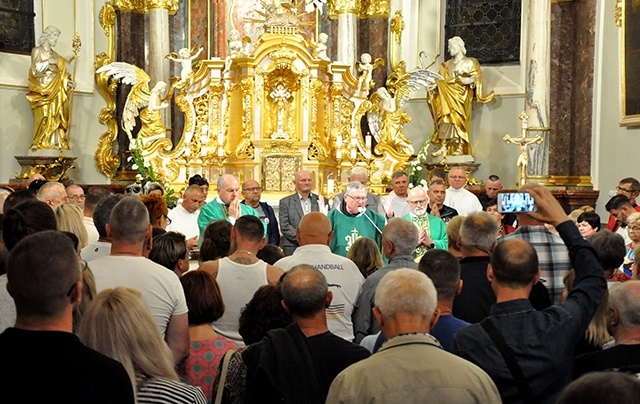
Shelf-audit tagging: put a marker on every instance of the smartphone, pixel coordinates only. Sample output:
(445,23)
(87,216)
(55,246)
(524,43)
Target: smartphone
(516,202)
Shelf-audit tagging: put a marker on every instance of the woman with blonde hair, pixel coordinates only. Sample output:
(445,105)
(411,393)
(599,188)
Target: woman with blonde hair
(118,324)
(364,252)
(70,218)
(633,230)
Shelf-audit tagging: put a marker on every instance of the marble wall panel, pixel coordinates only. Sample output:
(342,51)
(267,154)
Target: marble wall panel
(572,63)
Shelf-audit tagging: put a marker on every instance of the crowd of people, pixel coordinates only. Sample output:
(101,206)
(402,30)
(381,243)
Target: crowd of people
(424,294)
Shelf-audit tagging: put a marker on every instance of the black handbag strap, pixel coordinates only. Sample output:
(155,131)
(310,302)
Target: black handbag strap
(507,354)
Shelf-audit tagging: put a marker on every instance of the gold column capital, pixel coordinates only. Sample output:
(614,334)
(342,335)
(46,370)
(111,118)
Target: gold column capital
(143,6)
(336,7)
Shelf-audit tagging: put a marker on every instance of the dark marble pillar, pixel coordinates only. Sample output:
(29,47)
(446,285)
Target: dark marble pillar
(572,63)
(373,39)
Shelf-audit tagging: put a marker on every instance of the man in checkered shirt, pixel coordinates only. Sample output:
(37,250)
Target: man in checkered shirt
(553,256)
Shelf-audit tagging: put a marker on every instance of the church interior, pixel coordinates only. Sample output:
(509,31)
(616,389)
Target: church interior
(262,89)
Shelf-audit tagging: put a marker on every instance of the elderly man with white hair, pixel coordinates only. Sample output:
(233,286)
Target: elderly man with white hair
(411,366)
(373,201)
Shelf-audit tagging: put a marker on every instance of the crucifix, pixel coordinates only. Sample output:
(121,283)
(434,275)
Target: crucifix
(523,141)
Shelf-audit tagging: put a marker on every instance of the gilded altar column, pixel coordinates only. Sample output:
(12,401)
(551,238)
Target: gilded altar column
(346,11)
(537,93)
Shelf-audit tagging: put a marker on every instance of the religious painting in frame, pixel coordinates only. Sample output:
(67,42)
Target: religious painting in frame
(630,51)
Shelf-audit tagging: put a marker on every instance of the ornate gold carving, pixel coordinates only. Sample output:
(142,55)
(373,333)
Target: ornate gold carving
(397,26)
(143,6)
(281,146)
(336,7)
(617,13)
(278,171)
(374,9)
(108,18)
(52,168)
(106,160)
(319,147)
(363,8)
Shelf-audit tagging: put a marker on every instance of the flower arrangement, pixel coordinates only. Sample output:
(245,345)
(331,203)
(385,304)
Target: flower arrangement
(147,174)
(416,166)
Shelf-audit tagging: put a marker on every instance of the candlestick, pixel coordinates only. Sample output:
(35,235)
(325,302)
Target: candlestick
(330,185)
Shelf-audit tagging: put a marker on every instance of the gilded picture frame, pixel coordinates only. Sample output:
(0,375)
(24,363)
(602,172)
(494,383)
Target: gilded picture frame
(629,62)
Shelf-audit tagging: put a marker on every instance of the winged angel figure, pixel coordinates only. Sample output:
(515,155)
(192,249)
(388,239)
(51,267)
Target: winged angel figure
(141,102)
(385,118)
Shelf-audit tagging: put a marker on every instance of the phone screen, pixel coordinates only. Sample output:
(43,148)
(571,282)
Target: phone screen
(516,202)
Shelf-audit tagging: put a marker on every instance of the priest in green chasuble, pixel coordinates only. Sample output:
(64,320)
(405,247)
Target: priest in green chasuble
(433,231)
(352,220)
(225,206)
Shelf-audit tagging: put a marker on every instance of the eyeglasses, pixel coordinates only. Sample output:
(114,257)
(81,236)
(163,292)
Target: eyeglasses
(357,198)
(625,190)
(84,268)
(76,198)
(253,189)
(166,218)
(420,202)
(634,229)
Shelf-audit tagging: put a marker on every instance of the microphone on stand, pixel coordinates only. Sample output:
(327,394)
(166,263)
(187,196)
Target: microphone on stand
(362,210)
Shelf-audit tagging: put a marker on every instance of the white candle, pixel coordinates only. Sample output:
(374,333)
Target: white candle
(367,142)
(203,151)
(339,141)
(221,138)
(339,154)
(220,151)
(187,150)
(330,185)
(353,154)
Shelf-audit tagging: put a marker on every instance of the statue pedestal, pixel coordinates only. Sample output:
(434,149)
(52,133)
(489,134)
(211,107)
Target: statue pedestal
(468,167)
(52,168)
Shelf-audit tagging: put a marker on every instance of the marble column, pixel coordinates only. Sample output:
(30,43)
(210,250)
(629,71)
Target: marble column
(537,84)
(347,39)
(159,68)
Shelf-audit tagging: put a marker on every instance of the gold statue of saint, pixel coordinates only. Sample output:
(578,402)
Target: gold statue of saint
(451,100)
(50,87)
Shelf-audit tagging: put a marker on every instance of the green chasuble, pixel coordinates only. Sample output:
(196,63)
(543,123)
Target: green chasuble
(215,211)
(347,229)
(436,228)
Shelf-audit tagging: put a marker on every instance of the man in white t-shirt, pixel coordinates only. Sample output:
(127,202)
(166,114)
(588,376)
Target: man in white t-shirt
(130,232)
(459,198)
(184,217)
(314,234)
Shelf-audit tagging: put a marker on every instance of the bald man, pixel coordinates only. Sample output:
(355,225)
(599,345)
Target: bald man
(252,191)
(293,207)
(226,205)
(314,235)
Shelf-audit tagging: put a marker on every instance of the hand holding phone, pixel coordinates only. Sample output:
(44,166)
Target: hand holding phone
(516,202)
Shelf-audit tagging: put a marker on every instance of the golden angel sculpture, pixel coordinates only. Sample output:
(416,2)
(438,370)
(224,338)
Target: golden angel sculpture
(385,118)
(141,102)
(451,101)
(50,91)
(365,72)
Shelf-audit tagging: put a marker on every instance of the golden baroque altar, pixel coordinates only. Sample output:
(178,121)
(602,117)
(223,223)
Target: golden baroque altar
(267,114)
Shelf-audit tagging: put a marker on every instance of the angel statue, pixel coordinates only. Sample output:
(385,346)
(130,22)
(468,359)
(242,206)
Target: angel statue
(365,70)
(385,118)
(50,90)
(141,102)
(185,58)
(451,100)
